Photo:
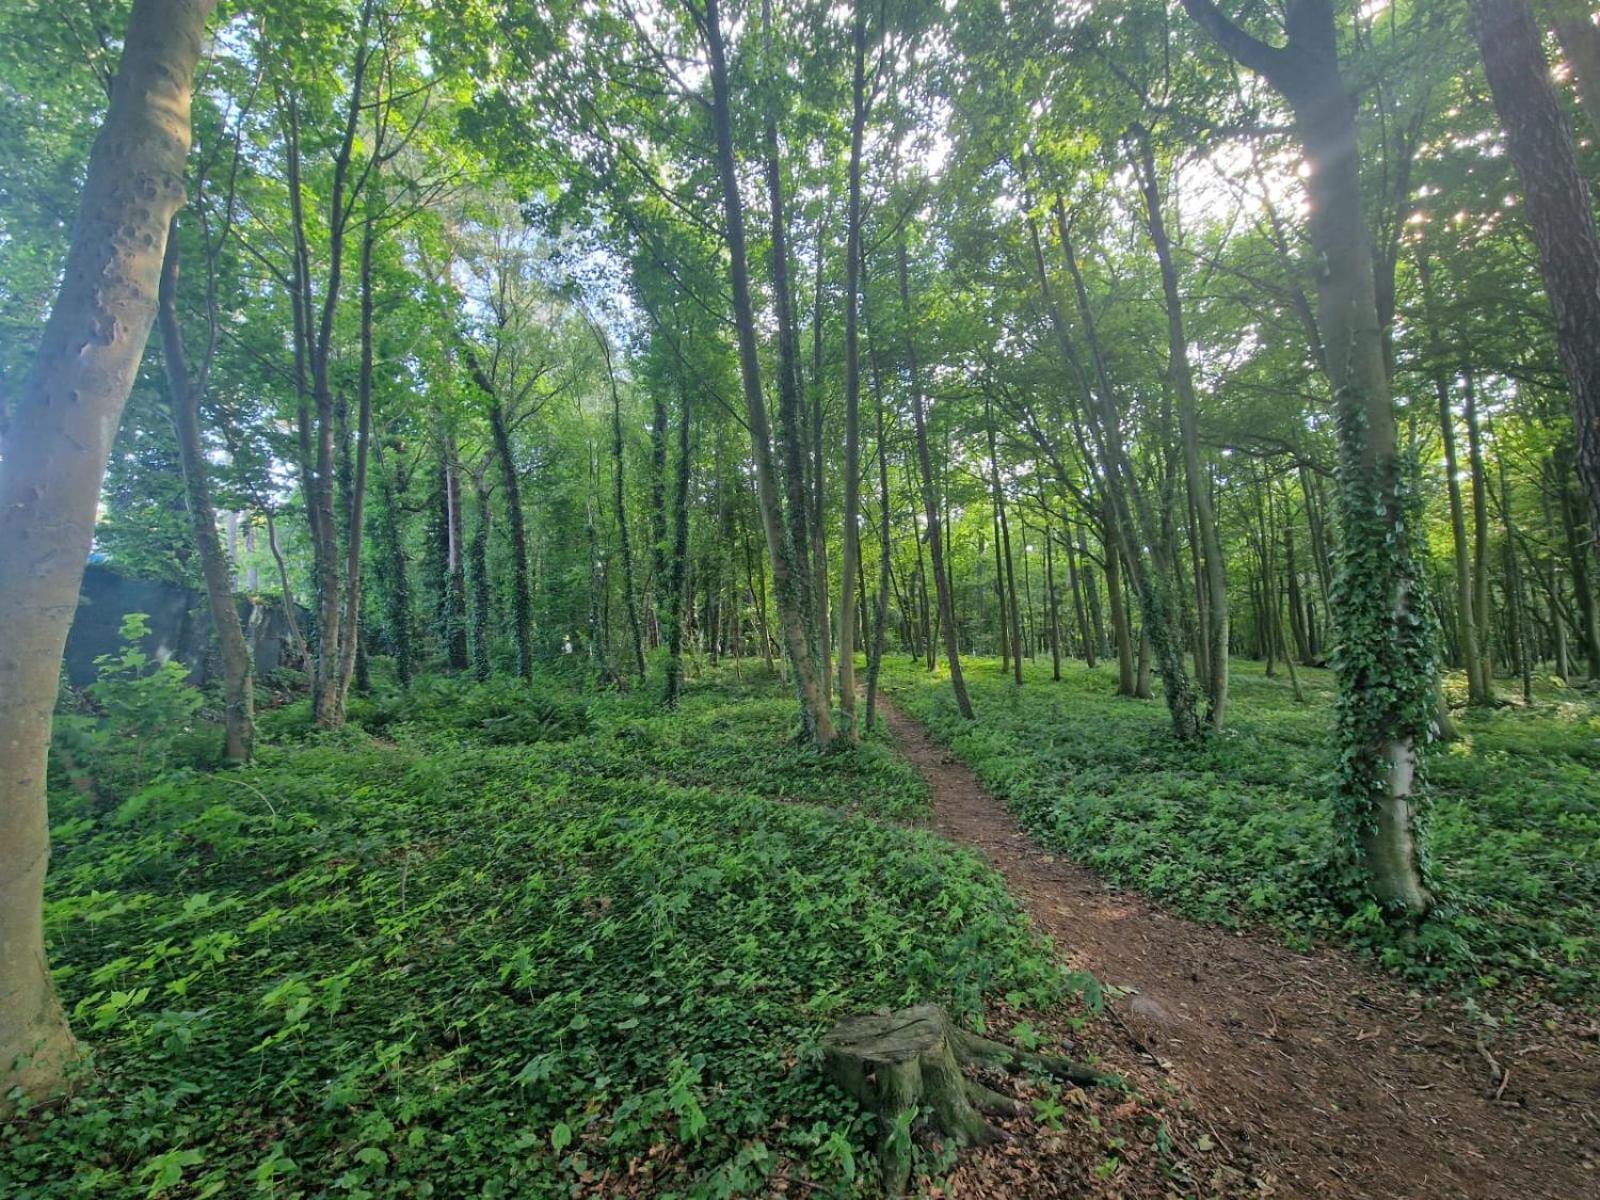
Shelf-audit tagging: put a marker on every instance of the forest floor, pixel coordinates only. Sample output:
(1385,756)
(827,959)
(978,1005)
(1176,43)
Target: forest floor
(1316,1075)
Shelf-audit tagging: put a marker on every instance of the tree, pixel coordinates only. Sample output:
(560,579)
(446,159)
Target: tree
(1556,199)
(1385,662)
(55,458)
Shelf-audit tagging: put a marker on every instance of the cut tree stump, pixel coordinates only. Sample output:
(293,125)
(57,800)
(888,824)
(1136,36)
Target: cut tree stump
(891,1062)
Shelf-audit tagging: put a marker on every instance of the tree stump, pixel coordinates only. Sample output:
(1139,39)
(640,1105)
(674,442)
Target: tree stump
(890,1062)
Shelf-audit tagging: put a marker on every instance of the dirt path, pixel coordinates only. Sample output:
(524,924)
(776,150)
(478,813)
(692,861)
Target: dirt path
(1318,1077)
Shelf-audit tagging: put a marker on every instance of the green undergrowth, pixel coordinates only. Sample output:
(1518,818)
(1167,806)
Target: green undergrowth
(1240,831)
(419,956)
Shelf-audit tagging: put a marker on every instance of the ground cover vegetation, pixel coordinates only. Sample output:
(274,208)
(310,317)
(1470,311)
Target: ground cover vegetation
(591,408)
(1242,833)
(425,955)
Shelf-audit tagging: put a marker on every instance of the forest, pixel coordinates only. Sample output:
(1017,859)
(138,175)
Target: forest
(715,598)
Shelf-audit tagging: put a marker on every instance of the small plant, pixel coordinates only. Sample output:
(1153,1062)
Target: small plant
(139,719)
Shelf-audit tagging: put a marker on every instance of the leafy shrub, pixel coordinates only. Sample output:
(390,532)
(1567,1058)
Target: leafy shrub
(139,720)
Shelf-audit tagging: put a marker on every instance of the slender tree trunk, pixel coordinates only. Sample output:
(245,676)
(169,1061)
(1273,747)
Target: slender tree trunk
(850,556)
(678,588)
(480,643)
(810,683)
(880,613)
(1480,531)
(791,407)
(1182,376)
(1579,538)
(1006,582)
(1557,203)
(392,568)
(455,576)
(350,632)
(56,450)
(1122,633)
(930,499)
(238,687)
(819,493)
(299,651)
(1129,508)
(1054,600)
(521,590)
(619,497)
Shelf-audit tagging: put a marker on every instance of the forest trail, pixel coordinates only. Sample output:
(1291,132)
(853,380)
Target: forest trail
(1317,1076)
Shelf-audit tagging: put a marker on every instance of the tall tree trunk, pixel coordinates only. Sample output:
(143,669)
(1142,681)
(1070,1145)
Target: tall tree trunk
(238,687)
(1556,200)
(455,573)
(393,575)
(620,499)
(480,616)
(1480,531)
(1053,599)
(349,634)
(1182,375)
(1387,675)
(1129,508)
(792,450)
(819,491)
(930,498)
(1121,631)
(521,588)
(56,450)
(1479,688)
(880,610)
(1580,45)
(1579,537)
(678,588)
(299,652)
(850,555)
(1007,582)
(809,682)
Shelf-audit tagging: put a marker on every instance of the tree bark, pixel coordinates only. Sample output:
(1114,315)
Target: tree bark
(930,499)
(809,682)
(56,449)
(238,686)
(850,555)
(1557,204)
(1182,375)
(678,588)
(1387,675)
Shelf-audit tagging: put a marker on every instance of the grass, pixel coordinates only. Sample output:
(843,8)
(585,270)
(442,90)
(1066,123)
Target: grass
(490,943)
(1240,831)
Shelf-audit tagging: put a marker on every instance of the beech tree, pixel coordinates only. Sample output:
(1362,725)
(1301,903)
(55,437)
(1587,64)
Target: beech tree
(56,446)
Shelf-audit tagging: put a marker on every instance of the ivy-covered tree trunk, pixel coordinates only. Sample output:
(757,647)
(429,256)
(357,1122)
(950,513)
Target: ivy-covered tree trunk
(62,425)
(238,686)
(1385,661)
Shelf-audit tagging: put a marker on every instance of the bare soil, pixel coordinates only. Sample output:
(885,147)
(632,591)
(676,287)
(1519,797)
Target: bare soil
(1315,1075)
